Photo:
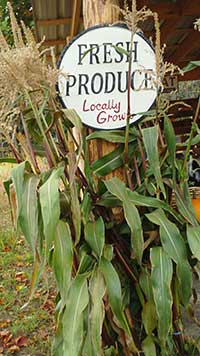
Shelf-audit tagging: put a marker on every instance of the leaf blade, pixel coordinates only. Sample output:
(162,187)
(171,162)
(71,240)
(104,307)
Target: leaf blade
(50,206)
(62,258)
(97,290)
(161,279)
(174,246)
(150,137)
(28,217)
(95,235)
(72,320)
(114,292)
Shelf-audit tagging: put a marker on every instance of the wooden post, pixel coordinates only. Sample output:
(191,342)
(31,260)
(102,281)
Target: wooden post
(97,12)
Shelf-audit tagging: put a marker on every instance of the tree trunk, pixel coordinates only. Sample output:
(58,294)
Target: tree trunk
(97,12)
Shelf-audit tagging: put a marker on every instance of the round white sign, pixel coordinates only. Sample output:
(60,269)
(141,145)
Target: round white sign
(96,63)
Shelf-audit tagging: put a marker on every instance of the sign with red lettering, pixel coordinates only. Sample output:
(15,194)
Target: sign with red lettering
(96,76)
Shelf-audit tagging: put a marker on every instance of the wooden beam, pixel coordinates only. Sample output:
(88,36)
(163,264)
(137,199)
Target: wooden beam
(190,7)
(165,37)
(192,75)
(191,42)
(75,18)
(181,7)
(162,8)
(54,42)
(56,22)
(52,22)
(168,27)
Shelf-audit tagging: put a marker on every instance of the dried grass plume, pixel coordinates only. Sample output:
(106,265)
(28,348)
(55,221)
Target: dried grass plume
(24,69)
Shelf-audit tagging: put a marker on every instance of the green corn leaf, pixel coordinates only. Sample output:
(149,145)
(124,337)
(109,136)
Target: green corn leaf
(109,201)
(17,175)
(95,236)
(7,183)
(170,236)
(161,282)
(77,302)
(86,264)
(171,142)
(190,66)
(108,163)
(97,291)
(146,284)
(148,312)
(88,349)
(7,160)
(86,207)
(118,188)
(111,161)
(62,258)
(184,205)
(133,219)
(121,50)
(193,237)
(114,292)
(142,200)
(150,137)
(184,275)
(108,252)
(148,347)
(111,351)
(115,136)
(170,138)
(131,214)
(149,317)
(50,206)
(174,246)
(57,345)
(28,217)
(76,211)
(86,53)
(73,117)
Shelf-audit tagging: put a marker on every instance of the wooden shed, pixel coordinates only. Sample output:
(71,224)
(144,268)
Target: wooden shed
(58,21)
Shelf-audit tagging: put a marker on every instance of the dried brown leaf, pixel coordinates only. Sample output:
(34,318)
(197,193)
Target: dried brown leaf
(13,349)
(21,341)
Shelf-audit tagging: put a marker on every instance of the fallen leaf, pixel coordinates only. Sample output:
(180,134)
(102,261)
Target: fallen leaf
(4,323)
(1,350)
(44,334)
(49,306)
(21,341)
(13,349)
(20,276)
(6,336)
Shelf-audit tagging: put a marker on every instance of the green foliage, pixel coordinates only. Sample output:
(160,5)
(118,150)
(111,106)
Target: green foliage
(150,136)
(120,253)
(22,10)
(108,273)
(76,303)
(161,280)
(62,258)
(50,206)
(95,236)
